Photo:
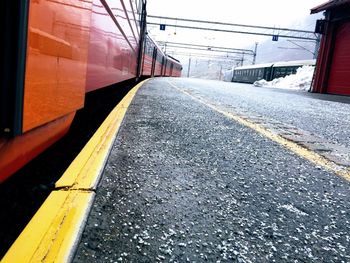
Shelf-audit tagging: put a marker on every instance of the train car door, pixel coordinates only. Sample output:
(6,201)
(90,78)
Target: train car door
(13,23)
(268,74)
(162,67)
(165,67)
(171,69)
(154,59)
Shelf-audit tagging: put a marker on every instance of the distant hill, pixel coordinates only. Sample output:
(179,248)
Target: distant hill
(285,50)
(268,51)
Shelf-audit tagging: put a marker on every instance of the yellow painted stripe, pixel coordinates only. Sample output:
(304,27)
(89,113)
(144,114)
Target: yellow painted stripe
(297,149)
(52,233)
(85,171)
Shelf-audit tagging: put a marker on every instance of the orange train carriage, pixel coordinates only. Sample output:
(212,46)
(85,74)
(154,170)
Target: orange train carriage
(55,51)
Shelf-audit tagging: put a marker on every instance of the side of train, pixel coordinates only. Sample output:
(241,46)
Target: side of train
(53,53)
(268,71)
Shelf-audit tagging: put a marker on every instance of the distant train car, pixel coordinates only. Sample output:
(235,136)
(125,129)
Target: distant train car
(249,74)
(228,75)
(282,69)
(53,53)
(269,71)
(156,63)
(172,67)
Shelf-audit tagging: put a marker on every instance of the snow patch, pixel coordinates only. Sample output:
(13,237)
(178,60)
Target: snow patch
(299,81)
(293,209)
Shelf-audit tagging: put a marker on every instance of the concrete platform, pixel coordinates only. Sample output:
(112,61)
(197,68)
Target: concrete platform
(184,183)
(196,174)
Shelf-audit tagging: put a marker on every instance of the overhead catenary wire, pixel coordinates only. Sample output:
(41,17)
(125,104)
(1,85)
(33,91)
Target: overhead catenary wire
(232,28)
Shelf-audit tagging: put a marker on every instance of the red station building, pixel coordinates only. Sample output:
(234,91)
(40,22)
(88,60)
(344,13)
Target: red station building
(332,74)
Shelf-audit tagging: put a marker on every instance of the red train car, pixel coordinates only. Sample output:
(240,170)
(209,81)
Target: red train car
(53,53)
(156,63)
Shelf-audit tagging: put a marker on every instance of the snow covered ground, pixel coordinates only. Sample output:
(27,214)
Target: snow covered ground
(299,81)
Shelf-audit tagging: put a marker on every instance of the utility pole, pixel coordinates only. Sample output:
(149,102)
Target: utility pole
(317,45)
(220,74)
(255,52)
(189,67)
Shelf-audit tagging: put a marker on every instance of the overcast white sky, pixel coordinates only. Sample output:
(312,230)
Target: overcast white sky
(264,12)
(278,13)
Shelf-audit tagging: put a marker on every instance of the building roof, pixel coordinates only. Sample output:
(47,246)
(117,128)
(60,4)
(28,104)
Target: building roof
(330,5)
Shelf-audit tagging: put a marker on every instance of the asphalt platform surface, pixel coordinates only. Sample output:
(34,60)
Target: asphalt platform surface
(184,183)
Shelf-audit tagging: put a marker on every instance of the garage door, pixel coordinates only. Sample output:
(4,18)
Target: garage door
(339,78)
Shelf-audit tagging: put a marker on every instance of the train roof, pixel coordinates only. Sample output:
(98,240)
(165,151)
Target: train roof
(173,58)
(155,44)
(266,65)
(161,51)
(295,63)
(280,64)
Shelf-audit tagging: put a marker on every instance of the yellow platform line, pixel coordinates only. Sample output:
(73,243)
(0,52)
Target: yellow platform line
(292,146)
(86,169)
(52,234)
(54,231)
